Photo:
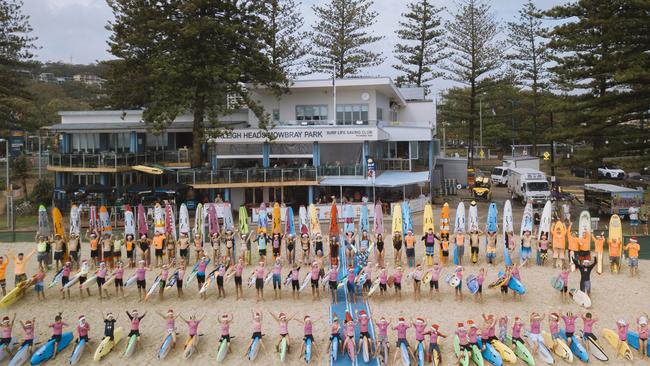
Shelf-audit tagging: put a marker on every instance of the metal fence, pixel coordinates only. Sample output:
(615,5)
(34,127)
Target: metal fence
(114,160)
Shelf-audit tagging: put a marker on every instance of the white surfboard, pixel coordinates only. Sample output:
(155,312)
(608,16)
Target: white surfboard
(473,218)
(159,219)
(507,224)
(584,224)
(129,223)
(459,223)
(580,298)
(75,220)
(183,220)
(545,221)
(228,222)
(527,219)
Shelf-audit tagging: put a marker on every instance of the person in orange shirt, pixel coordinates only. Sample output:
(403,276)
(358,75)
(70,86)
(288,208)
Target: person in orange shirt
(585,246)
(459,237)
(574,244)
(94,247)
(4,262)
(633,248)
(20,262)
(158,244)
(409,243)
(558,233)
(614,254)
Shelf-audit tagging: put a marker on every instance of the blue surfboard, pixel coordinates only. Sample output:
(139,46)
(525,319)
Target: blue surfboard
(490,353)
(633,340)
(407,222)
(348,216)
(364,221)
(577,347)
(514,284)
(492,218)
(47,350)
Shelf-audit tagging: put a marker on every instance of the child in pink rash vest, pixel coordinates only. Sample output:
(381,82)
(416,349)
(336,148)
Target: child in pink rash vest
(472,333)
(398,282)
(364,322)
(333,283)
(554,325)
(28,329)
(588,322)
(569,325)
(382,331)
(621,329)
(224,325)
(419,325)
(516,331)
(57,331)
(401,327)
(462,337)
(383,280)
(434,333)
(435,277)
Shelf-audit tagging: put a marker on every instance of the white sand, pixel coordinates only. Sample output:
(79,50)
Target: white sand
(613,296)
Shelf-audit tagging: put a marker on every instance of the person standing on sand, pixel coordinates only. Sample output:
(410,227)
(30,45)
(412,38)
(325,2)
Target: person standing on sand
(564,276)
(401,327)
(397,246)
(642,331)
(588,322)
(57,331)
(491,248)
(435,271)
(633,212)
(569,326)
(283,326)
(257,330)
(559,243)
(585,273)
(434,333)
(615,253)
(633,249)
(135,318)
(535,330)
(397,283)
(259,273)
(4,262)
(29,330)
(6,328)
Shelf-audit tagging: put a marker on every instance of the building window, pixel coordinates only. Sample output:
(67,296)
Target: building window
(394,115)
(276,115)
(350,114)
(311,114)
(380,114)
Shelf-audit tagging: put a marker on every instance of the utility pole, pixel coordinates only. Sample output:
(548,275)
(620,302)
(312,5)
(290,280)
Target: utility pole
(552,148)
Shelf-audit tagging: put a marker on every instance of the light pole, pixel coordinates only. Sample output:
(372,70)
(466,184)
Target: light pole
(39,154)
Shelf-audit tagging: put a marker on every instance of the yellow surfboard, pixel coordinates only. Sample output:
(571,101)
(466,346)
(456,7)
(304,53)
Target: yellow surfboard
(15,294)
(622,348)
(314,221)
(615,229)
(427,219)
(57,221)
(397,219)
(444,219)
(276,228)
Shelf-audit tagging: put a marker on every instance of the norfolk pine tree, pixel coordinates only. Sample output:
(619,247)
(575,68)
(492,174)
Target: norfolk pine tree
(340,36)
(602,56)
(284,37)
(475,56)
(423,44)
(178,56)
(529,58)
(15,50)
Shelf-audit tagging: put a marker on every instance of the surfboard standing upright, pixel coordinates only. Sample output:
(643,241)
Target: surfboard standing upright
(615,234)
(428,223)
(508,230)
(526,226)
(544,229)
(459,229)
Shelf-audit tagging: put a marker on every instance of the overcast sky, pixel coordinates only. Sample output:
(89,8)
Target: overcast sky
(74,30)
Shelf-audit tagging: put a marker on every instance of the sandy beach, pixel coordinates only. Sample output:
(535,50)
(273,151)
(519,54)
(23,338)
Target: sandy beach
(613,296)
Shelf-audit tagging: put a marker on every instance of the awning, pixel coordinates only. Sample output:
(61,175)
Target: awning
(385,179)
(147,169)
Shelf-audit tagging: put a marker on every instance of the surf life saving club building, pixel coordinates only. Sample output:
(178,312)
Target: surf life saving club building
(354,137)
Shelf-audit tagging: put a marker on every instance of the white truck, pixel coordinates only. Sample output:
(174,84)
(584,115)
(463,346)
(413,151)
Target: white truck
(526,184)
(499,174)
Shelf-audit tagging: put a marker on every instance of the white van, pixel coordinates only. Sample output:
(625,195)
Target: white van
(527,184)
(499,175)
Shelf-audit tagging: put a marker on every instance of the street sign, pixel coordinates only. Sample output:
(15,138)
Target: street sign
(547,155)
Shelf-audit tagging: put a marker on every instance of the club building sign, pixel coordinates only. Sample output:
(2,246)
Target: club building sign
(301,134)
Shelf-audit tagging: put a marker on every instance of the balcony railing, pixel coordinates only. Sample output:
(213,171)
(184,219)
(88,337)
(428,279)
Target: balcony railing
(394,164)
(114,160)
(242,176)
(264,175)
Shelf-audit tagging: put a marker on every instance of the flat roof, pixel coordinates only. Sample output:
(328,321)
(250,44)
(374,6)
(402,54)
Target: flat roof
(609,187)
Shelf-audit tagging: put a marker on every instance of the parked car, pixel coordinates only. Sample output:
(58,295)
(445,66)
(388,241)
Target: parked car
(611,172)
(634,180)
